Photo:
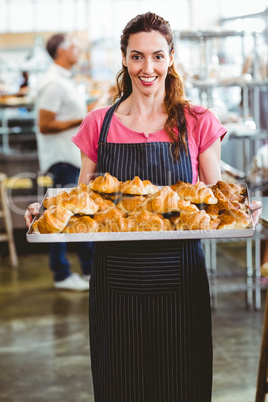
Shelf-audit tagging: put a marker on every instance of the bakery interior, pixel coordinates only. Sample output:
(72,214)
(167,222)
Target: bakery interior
(222,54)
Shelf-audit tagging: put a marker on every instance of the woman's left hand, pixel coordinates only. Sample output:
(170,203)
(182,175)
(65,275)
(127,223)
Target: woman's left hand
(256,210)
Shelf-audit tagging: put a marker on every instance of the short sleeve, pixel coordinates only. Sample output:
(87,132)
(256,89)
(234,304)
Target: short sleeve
(205,127)
(87,137)
(51,98)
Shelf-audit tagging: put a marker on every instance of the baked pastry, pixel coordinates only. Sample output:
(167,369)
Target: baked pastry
(232,188)
(101,200)
(231,192)
(231,201)
(130,204)
(108,215)
(166,200)
(105,184)
(138,187)
(80,189)
(80,204)
(81,224)
(197,193)
(49,201)
(234,219)
(118,224)
(53,220)
(148,221)
(197,220)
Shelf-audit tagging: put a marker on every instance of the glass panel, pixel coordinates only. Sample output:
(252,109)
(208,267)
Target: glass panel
(230,8)
(20,16)
(81,20)
(47,16)
(67,15)
(3,16)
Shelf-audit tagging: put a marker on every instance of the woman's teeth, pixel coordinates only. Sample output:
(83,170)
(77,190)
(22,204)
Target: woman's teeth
(147,79)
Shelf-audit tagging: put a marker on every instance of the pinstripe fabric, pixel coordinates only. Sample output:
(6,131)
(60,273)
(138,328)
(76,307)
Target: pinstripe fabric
(150,325)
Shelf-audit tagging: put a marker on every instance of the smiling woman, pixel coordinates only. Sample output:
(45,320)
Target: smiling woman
(153,294)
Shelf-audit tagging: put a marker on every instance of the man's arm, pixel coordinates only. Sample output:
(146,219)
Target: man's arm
(49,125)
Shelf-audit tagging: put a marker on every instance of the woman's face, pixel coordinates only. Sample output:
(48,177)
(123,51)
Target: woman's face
(147,60)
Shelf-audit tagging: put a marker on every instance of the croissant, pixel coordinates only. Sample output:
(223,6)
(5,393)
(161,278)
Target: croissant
(197,220)
(80,204)
(81,224)
(49,201)
(223,204)
(53,220)
(234,219)
(130,204)
(82,187)
(105,184)
(108,215)
(232,188)
(197,193)
(233,192)
(118,224)
(148,221)
(138,187)
(167,200)
(231,201)
(101,201)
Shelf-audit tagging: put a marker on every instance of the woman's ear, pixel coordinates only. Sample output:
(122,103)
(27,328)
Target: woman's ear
(124,62)
(171,61)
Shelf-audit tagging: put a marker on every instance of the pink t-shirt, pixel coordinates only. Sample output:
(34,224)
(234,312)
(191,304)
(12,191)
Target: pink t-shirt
(202,133)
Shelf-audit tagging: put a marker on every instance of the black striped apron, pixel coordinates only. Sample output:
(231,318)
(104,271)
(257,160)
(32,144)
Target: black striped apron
(150,319)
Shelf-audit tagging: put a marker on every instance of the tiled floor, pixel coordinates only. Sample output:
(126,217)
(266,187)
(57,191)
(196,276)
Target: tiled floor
(44,354)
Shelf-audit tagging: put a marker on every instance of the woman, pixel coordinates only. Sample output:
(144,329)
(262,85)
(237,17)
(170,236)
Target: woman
(150,326)
(150,319)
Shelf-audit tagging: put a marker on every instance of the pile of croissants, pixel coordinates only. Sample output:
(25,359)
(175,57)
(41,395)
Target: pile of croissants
(109,205)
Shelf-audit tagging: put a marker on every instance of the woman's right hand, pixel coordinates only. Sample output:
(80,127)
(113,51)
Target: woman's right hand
(33,209)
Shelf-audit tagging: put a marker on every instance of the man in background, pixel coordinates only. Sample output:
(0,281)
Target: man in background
(60,110)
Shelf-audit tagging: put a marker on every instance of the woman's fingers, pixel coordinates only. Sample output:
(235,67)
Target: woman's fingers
(33,209)
(256,210)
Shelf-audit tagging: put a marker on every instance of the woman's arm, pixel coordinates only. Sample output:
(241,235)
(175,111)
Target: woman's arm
(88,169)
(209,164)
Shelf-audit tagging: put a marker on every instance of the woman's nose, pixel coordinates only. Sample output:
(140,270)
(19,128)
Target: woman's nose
(148,66)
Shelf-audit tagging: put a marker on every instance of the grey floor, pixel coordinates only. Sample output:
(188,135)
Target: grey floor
(44,353)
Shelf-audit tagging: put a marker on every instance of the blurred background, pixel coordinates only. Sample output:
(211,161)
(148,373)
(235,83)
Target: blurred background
(221,49)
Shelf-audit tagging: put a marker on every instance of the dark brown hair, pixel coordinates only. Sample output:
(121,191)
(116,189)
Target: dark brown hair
(53,44)
(174,100)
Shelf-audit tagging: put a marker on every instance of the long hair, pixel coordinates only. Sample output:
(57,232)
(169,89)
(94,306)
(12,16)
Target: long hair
(174,101)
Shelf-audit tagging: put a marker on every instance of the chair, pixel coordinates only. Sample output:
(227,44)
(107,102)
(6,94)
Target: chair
(7,235)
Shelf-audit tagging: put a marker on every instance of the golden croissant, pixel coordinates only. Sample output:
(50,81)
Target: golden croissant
(197,220)
(80,204)
(81,224)
(197,193)
(138,187)
(167,200)
(105,184)
(49,201)
(53,220)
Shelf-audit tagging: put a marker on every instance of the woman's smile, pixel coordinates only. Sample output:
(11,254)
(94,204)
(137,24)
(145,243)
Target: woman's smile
(147,81)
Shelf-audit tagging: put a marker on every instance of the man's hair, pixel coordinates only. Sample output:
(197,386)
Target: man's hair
(54,43)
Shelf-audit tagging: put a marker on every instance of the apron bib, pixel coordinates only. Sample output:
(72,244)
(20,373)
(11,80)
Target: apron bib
(150,318)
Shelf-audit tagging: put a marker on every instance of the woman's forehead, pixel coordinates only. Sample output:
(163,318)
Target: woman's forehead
(147,40)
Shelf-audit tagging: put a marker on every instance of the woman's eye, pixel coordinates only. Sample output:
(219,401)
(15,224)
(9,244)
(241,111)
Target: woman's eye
(136,57)
(159,56)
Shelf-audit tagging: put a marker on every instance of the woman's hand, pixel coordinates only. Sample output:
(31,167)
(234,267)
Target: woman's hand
(256,210)
(33,209)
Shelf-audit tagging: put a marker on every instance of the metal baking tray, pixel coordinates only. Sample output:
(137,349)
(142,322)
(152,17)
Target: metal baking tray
(127,236)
